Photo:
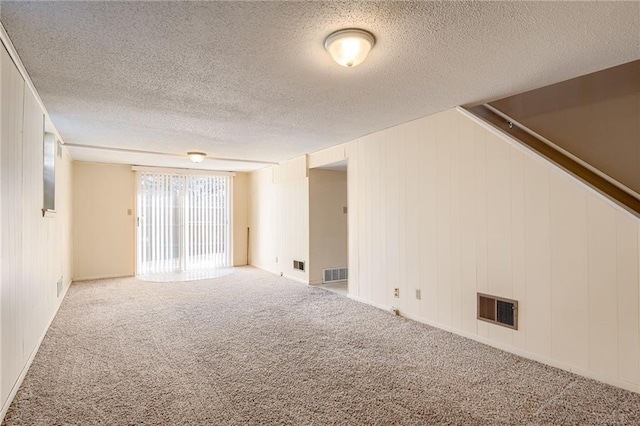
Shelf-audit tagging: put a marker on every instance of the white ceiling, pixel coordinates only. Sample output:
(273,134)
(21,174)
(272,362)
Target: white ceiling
(251,80)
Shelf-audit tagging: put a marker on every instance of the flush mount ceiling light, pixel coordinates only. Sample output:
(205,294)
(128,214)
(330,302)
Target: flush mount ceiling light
(349,47)
(196,157)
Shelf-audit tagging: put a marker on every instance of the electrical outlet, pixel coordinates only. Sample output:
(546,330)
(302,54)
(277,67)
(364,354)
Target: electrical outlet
(276,259)
(418,294)
(396,292)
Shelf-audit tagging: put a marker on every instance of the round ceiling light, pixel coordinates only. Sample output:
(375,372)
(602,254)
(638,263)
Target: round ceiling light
(196,157)
(349,47)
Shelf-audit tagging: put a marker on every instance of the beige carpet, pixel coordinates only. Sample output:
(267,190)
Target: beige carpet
(253,348)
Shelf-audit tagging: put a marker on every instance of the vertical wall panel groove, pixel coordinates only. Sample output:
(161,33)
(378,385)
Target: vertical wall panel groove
(491,217)
(456,268)
(480,137)
(279,218)
(603,287)
(408,139)
(443,208)
(499,228)
(427,201)
(569,265)
(353,193)
(468,227)
(628,274)
(35,251)
(518,244)
(396,202)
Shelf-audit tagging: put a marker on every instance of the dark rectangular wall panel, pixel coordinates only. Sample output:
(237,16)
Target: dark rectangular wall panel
(595,117)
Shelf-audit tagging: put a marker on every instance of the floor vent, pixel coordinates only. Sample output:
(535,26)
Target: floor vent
(498,310)
(298,264)
(334,275)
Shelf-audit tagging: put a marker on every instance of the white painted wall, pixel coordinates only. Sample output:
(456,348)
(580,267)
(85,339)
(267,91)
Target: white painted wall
(34,251)
(279,218)
(447,206)
(328,244)
(103,220)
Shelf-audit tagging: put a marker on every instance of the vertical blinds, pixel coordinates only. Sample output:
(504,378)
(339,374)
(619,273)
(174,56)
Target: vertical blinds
(183,222)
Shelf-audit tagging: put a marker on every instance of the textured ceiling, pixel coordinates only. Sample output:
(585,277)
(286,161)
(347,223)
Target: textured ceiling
(251,80)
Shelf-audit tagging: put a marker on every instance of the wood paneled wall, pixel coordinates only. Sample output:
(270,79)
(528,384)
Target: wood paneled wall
(35,252)
(448,206)
(279,218)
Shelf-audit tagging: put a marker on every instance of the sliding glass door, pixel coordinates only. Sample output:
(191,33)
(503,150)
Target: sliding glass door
(183,222)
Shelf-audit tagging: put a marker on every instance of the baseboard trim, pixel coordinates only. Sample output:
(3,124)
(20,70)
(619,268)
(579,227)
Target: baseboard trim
(511,349)
(529,355)
(370,303)
(101,277)
(300,280)
(280,274)
(25,369)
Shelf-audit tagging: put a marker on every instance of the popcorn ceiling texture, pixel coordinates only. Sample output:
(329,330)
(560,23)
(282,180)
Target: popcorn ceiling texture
(254,348)
(251,80)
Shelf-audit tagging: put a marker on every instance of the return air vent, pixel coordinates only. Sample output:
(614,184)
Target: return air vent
(498,310)
(298,264)
(334,275)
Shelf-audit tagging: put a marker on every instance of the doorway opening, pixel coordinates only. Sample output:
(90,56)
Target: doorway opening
(328,227)
(183,225)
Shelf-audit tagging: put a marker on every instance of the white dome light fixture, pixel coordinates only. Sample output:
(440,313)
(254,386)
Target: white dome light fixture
(350,46)
(196,157)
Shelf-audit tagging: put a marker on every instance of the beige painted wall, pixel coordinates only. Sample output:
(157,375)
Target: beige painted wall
(240,218)
(279,218)
(35,252)
(327,222)
(104,232)
(445,205)
(103,220)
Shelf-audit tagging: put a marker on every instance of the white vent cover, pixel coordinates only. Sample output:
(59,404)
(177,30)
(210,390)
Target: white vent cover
(334,275)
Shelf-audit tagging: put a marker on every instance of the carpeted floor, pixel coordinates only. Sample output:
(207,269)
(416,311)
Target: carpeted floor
(253,348)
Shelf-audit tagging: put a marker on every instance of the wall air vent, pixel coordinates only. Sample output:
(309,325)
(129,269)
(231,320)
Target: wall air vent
(498,310)
(334,275)
(298,264)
